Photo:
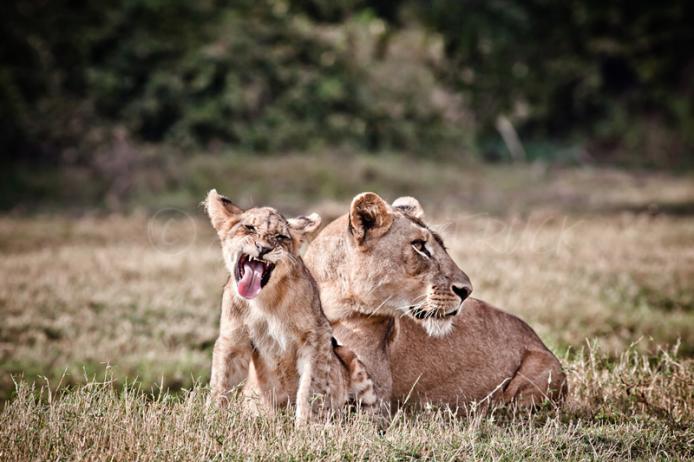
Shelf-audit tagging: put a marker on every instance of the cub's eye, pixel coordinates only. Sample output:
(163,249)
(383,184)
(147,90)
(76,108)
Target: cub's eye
(420,247)
(249,228)
(282,237)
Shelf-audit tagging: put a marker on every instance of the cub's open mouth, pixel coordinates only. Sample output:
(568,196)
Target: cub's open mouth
(429,314)
(251,275)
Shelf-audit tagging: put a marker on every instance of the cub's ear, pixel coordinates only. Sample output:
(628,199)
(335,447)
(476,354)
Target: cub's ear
(304,228)
(221,211)
(369,216)
(409,206)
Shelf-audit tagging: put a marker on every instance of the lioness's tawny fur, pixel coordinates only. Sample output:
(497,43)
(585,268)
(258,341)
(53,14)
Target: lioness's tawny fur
(272,330)
(395,296)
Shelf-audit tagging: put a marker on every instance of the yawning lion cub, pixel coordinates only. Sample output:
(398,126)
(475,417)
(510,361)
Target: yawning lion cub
(273,331)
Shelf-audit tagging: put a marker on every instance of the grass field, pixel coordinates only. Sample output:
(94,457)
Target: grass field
(108,320)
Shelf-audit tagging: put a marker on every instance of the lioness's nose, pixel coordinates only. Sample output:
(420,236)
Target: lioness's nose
(462,290)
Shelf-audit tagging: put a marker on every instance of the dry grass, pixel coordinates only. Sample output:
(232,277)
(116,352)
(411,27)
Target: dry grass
(635,408)
(608,284)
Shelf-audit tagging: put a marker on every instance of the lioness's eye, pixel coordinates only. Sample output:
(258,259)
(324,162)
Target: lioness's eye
(420,246)
(249,228)
(282,237)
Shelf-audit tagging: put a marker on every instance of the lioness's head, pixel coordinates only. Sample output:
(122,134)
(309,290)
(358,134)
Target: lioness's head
(258,244)
(400,264)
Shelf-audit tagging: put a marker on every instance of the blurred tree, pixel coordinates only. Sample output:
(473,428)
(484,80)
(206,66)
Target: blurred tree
(606,71)
(272,75)
(256,74)
(67,64)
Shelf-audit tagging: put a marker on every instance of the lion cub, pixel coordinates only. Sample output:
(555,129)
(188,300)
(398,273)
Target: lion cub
(273,331)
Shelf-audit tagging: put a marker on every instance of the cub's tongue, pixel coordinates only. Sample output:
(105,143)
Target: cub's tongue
(249,285)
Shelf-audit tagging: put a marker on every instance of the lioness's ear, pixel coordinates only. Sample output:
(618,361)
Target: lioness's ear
(304,227)
(369,216)
(409,206)
(221,210)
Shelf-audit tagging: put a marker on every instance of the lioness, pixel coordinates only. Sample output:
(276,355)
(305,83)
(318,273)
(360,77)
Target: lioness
(272,328)
(394,295)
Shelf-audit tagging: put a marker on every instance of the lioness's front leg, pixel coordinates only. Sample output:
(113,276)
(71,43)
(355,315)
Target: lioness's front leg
(369,337)
(231,354)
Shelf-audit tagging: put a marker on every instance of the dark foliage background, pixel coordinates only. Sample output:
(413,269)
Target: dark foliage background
(93,85)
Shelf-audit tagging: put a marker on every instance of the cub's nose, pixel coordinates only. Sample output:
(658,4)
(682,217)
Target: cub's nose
(462,290)
(262,250)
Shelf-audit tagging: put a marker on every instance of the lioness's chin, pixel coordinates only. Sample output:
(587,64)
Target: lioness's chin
(437,327)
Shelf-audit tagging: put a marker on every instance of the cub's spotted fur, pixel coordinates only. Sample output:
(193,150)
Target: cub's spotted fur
(273,331)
